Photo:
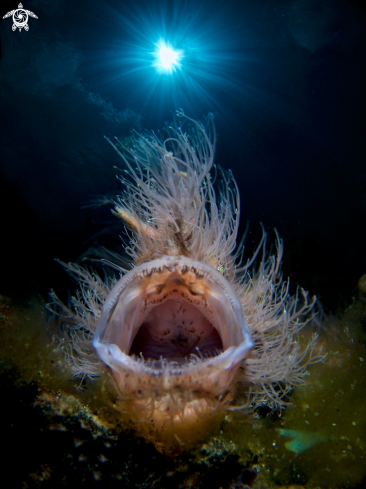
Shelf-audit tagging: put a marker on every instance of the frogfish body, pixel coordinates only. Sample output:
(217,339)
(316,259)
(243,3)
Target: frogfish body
(188,330)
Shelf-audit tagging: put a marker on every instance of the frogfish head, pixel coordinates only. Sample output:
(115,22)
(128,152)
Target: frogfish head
(173,333)
(186,322)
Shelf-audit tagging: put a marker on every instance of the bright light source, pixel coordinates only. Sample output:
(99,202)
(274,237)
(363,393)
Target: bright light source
(168,57)
(167,60)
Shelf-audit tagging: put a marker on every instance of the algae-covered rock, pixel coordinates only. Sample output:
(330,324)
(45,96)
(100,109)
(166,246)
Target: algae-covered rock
(82,437)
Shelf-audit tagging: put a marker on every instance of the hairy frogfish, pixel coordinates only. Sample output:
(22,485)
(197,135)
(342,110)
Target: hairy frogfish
(187,328)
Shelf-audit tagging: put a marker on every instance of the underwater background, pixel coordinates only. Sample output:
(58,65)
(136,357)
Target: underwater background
(286,84)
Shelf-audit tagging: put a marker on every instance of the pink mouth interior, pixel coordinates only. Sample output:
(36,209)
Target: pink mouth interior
(172,310)
(174,330)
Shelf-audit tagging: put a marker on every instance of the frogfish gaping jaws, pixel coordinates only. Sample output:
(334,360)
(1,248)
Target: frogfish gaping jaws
(188,329)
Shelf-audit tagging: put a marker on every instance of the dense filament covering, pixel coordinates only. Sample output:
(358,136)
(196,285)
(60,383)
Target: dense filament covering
(185,269)
(170,202)
(278,361)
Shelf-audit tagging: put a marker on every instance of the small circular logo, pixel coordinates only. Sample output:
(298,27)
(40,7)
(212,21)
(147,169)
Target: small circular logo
(20,18)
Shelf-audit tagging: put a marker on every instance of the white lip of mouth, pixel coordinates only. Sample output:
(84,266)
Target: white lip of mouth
(151,284)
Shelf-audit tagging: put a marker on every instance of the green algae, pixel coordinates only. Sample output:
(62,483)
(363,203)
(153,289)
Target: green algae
(326,419)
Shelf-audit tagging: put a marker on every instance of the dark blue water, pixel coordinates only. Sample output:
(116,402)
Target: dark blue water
(285,81)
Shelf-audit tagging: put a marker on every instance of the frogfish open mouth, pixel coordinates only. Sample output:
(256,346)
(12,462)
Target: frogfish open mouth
(188,328)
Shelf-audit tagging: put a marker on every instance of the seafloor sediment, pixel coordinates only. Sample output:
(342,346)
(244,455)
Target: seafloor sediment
(60,436)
